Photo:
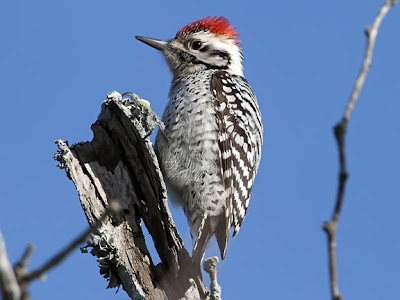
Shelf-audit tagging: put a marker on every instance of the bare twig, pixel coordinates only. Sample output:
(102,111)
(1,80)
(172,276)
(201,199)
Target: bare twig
(21,269)
(371,32)
(26,256)
(9,286)
(55,260)
(340,132)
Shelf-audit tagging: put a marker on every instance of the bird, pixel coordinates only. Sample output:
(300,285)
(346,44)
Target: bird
(210,149)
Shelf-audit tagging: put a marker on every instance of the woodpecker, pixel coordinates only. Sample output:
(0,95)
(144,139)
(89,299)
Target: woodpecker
(210,150)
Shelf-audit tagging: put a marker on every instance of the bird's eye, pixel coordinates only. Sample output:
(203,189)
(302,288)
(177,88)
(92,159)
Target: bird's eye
(196,45)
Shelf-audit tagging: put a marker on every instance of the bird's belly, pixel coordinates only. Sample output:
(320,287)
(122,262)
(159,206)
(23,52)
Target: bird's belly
(189,159)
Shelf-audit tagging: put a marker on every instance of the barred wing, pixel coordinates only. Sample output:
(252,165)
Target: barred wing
(240,140)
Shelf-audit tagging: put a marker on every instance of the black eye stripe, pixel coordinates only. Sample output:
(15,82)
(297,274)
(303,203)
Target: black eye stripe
(185,57)
(204,49)
(222,54)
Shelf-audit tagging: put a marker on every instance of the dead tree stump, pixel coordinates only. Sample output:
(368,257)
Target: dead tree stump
(119,164)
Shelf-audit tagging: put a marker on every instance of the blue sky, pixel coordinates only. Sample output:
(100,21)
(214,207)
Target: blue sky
(58,60)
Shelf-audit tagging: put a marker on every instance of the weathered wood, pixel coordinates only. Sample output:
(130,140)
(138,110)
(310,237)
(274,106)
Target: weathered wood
(9,287)
(119,164)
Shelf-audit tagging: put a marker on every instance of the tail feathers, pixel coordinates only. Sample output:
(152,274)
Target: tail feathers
(204,234)
(210,225)
(222,234)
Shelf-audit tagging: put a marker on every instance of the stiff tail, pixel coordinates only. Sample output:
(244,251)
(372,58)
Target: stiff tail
(210,225)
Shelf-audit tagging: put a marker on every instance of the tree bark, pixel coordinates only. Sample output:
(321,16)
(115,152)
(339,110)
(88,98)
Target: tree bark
(119,164)
(9,287)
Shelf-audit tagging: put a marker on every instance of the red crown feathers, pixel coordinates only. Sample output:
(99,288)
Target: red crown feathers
(216,25)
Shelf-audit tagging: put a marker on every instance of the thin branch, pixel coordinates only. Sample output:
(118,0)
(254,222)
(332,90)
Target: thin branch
(21,269)
(340,133)
(83,237)
(22,264)
(371,32)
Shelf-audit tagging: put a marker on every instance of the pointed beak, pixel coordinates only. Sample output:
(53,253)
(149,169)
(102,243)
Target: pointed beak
(158,44)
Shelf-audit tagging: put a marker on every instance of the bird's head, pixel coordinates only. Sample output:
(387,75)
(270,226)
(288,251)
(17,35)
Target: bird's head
(209,43)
